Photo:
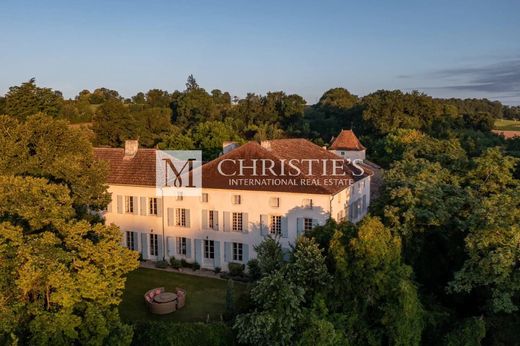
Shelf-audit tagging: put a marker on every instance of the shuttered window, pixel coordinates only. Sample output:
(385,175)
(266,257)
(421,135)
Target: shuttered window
(209,249)
(131,241)
(307,224)
(129,204)
(238,252)
(180,217)
(181,246)
(212,219)
(276,225)
(152,206)
(237,222)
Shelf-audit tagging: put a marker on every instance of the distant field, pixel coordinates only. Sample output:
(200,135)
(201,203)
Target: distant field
(507,125)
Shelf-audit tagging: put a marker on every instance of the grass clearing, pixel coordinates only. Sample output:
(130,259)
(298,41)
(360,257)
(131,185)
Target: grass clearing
(203,296)
(507,125)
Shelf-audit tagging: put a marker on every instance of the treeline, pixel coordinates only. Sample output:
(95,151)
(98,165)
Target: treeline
(195,118)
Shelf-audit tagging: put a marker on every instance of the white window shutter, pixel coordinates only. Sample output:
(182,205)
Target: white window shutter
(170,216)
(215,220)
(227,221)
(245,223)
(170,246)
(119,204)
(216,260)
(136,206)
(159,206)
(264,226)
(227,252)
(188,247)
(299,225)
(285,227)
(143,206)
(245,253)
(204,219)
(144,245)
(188,222)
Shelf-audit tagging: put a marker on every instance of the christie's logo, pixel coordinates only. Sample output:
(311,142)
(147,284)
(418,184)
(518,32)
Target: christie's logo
(289,168)
(178,172)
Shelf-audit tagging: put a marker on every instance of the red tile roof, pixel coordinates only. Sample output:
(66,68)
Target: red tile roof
(281,151)
(507,134)
(140,170)
(346,140)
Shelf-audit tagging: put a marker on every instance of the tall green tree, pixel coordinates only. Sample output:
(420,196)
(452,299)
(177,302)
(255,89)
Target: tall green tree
(61,279)
(28,99)
(113,124)
(62,275)
(48,148)
(493,240)
(376,297)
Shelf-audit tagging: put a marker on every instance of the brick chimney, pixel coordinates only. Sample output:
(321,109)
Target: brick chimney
(131,146)
(266,144)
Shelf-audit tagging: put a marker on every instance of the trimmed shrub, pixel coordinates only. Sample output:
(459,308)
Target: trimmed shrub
(180,334)
(253,269)
(217,270)
(161,264)
(195,266)
(229,313)
(236,269)
(185,264)
(175,263)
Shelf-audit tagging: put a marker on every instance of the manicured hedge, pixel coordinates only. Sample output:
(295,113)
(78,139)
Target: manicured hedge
(168,333)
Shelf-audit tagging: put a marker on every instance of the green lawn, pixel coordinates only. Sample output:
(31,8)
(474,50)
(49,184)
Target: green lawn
(203,295)
(507,125)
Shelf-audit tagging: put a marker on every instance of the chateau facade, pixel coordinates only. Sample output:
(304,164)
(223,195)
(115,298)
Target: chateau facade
(227,220)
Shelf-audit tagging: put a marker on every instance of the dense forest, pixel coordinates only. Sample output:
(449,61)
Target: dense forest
(194,118)
(436,262)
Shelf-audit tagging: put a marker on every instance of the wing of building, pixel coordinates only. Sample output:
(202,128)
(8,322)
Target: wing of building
(279,187)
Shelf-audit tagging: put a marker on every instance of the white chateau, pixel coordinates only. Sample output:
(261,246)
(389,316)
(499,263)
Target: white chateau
(225,223)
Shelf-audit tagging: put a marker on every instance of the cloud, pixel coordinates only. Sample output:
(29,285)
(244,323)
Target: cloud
(500,77)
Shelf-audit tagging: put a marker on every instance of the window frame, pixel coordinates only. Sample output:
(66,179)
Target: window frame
(152,206)
(129,205)
(131,242)
(209,249)
(237,222)
(182,248)
(307,203)
(154,245)
(237,252)
(180,217)
(212,219)
(307,221)
(275,223)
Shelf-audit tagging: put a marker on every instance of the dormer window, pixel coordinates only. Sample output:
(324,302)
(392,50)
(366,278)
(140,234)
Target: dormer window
(307,203)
